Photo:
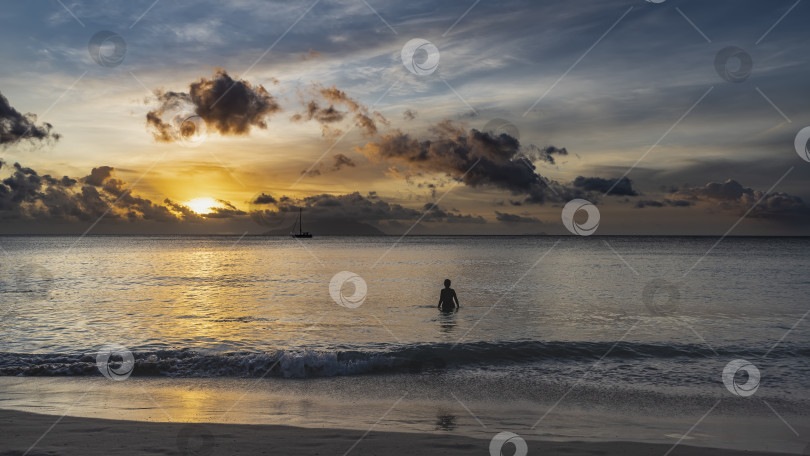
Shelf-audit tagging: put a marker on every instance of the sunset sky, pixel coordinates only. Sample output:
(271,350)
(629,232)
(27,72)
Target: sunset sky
(209,118)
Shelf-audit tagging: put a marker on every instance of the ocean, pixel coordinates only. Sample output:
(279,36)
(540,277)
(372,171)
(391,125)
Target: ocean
(567,338)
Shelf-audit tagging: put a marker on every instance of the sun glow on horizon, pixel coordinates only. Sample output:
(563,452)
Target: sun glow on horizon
(204,205)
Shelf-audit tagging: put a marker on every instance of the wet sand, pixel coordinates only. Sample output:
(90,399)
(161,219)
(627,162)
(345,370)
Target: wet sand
(28,432)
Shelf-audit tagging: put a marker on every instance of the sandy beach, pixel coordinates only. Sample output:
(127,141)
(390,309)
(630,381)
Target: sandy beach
(88,437)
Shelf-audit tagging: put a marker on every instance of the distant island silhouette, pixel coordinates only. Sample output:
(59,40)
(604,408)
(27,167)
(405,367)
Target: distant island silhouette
(332,228)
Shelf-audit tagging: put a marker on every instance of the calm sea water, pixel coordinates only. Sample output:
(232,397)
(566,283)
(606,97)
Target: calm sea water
(628,325)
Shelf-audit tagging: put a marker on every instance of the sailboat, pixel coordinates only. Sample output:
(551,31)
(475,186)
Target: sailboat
(301,233)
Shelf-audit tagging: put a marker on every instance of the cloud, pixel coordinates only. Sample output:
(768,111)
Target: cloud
(25,195)
(624,187)
(731,196)
(666,202)
(514,218)
(227,211)
(475,158)
(325,108)
(409,114)
(545,154)
(325,208)
(338,161)
(320,114)
(263,198)
(450,216)
(228,106)
(16,127)
(98,175)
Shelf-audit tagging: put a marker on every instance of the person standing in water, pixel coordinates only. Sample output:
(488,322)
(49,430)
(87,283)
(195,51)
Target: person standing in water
(448,301)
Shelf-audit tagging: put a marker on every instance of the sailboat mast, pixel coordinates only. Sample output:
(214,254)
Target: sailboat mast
(300,225)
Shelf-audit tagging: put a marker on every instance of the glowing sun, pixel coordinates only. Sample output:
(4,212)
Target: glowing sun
(203,205)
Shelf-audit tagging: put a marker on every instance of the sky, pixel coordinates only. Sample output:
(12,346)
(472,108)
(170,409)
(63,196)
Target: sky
(455,117)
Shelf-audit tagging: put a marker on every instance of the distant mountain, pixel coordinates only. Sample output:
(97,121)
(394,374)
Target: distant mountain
(332,228)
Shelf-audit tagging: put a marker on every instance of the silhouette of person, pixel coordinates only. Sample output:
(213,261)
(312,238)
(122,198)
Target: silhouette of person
(447,298)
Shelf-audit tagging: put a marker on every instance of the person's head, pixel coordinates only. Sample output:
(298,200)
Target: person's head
(447,283)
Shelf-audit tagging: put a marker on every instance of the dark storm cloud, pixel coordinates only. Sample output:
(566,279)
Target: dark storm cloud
(514,218)
(545,154)
(480,159)
(16,127)
(474,157)
(231,107)
(756,172)
(370,209)
(666,202)
(228,106)
(622,187)
(731,196)
(325,106)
